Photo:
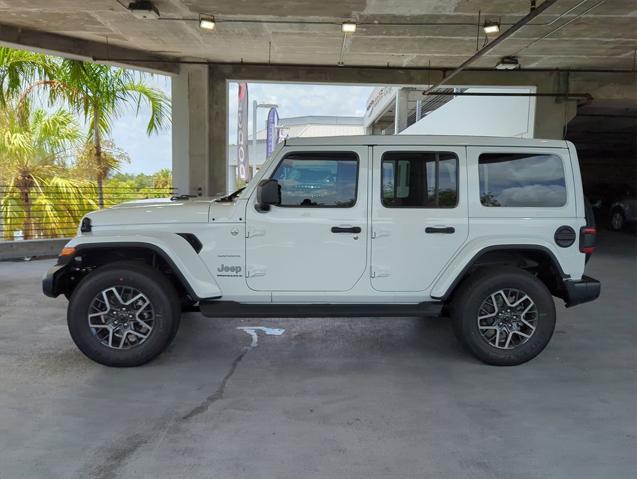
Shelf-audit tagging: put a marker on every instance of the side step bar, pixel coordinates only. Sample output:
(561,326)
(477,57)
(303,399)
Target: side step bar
(232,309)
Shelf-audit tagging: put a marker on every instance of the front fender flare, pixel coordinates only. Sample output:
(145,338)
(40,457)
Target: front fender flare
(174,249)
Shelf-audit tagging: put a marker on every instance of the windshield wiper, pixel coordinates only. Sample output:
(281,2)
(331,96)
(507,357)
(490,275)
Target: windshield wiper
(229,198)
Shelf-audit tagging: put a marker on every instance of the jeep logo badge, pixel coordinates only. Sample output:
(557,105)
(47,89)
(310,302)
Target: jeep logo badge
(232,270)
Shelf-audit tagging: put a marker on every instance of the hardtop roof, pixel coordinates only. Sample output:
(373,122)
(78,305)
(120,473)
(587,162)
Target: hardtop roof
(425,140)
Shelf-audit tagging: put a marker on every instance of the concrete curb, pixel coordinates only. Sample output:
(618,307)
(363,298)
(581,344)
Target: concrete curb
(28,248)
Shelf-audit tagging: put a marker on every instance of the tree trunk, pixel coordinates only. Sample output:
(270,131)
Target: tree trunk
(27,224)
(97,143)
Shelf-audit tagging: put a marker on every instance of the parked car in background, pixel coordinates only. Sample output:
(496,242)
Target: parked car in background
(623,211)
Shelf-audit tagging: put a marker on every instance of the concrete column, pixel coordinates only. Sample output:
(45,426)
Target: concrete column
(190,130)
(217,178)
(553,114)
(400,110)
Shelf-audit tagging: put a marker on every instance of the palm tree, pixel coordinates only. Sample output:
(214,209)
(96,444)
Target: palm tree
(19,68)
(32,152)
(100,93)
(111,159)
(163,179)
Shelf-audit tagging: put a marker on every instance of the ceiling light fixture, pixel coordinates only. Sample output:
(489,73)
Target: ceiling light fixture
(206,22)
(491,26)
(348,27)
(508,63)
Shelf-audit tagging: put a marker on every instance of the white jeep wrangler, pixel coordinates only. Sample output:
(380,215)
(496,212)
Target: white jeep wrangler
(486,229)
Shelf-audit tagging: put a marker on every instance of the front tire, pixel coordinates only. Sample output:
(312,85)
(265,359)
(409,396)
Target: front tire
(504,316)
(124,314)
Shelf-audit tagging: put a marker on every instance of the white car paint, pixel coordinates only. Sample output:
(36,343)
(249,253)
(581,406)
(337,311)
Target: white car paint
(287,255)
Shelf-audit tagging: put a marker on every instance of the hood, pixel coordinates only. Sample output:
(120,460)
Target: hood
(153,211)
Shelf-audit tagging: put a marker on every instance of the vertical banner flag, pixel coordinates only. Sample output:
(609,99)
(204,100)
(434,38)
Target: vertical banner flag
(243,162)
(273,137)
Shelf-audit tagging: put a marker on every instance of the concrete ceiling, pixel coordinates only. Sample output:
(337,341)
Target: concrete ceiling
(308,31)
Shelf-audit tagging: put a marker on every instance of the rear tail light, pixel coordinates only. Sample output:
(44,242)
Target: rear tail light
(587,238)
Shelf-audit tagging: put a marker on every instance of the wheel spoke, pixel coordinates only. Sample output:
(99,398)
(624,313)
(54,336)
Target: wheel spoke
(117,295)
(145,325)
(141,308)
(529,325)
(102,326)
(508,341)
(527,336)
(121,341)
(519,301)
(138,334)
(106,301)
(140,295)
(485,328)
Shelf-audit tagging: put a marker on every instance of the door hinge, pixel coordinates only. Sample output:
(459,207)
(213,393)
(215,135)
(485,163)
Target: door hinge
(254,271)
(253,232)
(380,233)
(380,272)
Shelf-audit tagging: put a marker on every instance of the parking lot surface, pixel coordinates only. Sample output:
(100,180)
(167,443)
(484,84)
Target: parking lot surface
(324,398)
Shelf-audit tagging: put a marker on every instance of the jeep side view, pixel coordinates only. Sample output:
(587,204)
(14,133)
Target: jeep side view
(486,229)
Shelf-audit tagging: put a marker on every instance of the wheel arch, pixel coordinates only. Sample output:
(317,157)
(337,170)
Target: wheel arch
(178,260)
(531,257)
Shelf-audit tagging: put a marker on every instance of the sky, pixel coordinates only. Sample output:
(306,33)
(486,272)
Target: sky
(299,100)
(150,154)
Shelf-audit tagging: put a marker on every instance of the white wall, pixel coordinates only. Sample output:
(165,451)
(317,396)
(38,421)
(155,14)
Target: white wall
(481,115)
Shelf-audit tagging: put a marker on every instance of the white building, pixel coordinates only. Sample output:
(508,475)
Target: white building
(451,111)
(296,127)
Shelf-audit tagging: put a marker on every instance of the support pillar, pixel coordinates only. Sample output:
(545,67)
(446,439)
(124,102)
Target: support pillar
(400,110)
(190,130)
(199,114)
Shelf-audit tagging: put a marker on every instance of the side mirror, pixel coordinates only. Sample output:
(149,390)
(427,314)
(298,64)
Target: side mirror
(268,193)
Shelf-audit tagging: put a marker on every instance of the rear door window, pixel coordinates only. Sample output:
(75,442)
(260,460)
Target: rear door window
(521,180)
(419,179)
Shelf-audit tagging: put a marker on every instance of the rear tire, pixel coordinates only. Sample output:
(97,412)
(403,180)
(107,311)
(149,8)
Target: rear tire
(124,314)
(503,316)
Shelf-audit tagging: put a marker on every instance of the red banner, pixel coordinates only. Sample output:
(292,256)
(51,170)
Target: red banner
(243,162)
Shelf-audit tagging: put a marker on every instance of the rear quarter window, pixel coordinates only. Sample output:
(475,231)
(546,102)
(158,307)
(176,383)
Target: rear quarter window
(521,180)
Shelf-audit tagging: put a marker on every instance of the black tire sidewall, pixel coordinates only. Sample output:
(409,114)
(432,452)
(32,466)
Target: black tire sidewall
(619,212)
(152,284)
(468,304)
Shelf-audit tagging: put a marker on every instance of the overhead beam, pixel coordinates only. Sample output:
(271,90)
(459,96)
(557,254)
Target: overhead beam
(87,50)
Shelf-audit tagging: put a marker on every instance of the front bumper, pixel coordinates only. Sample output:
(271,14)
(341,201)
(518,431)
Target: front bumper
(581,291)
(55,280)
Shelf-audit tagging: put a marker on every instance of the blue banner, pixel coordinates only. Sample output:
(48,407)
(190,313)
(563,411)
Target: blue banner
(273,136)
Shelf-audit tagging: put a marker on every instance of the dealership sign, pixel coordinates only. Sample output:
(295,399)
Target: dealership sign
(243,162)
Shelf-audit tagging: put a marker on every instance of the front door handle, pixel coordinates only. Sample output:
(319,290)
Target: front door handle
(440,229)
(346,229)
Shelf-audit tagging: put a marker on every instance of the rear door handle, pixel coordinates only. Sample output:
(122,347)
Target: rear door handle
(346,229)
(440,229)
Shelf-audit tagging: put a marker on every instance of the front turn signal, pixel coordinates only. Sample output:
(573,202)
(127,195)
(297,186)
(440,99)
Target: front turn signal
(67,251)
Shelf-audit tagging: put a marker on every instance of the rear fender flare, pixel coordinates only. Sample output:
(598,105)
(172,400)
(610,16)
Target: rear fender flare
(456,270)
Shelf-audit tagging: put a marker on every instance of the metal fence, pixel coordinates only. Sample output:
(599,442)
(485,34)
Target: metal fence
(55,210)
